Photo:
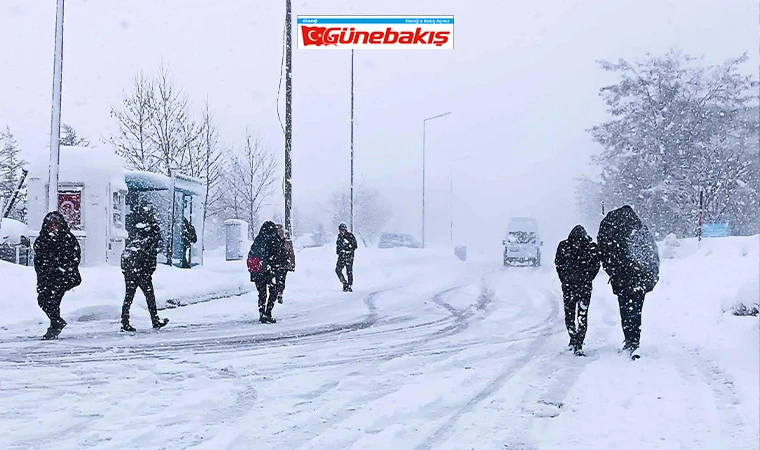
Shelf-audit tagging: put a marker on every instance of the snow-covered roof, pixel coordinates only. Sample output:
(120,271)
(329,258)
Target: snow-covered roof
(12,230)
(235,222)
(86,165)
(523,224)
(140,180)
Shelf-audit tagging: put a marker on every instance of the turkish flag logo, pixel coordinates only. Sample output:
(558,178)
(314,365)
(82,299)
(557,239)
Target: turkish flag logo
(313,35)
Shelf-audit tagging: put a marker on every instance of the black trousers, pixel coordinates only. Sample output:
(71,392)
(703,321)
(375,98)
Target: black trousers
(267,289)
(49,298)
(345,260)
(631,305)
(145,283)
(577,298)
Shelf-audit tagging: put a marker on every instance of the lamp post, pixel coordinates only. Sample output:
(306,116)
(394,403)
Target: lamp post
(55,119)
(352,141)
(424,127)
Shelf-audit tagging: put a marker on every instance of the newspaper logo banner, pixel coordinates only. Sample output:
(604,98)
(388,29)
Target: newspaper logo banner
(376,32)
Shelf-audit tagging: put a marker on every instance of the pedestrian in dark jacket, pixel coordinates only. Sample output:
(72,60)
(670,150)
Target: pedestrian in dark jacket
(577,263)
(138,263)
(263,258)
(189,237)
(630,257)
(285,263)
(345,246)
(56,260)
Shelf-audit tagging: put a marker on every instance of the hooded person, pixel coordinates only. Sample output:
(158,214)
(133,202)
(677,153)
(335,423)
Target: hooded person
(629,255)
(285,263)
(577,263)
(345,246)
(263,258)
(138,263)
(56,261)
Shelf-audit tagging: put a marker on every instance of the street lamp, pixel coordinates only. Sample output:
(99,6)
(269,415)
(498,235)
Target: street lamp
(424,125)
(55,119)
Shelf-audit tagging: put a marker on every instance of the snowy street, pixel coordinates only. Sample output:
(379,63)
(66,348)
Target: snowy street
(463,355)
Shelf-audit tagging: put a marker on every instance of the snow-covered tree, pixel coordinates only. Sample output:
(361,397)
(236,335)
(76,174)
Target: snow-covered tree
(10,173)
(371,213)
(132,142)
(679,127)
(70,138)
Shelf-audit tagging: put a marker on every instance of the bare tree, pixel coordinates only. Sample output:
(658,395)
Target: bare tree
(133,142)
(10,171)
(173,131)
(250,179)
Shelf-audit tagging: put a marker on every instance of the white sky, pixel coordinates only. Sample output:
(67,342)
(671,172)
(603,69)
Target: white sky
(521,84)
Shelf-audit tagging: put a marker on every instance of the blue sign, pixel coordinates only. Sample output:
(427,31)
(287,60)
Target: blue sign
(716,230)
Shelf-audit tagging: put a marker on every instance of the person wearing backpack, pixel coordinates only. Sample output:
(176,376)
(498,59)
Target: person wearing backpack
(630,257)
(56,261)
(577,263)
(138,263)
(285,263)
(263,257)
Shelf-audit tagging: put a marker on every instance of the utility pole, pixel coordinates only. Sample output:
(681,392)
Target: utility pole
(55,120)
(352,141)
(700,219)
(288,118)
(424,125)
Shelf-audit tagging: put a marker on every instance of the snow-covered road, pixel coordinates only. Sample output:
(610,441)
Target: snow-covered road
(457,357)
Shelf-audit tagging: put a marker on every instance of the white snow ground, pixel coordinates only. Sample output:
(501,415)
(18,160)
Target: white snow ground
(427,353)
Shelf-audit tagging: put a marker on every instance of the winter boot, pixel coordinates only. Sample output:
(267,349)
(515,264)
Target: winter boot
(125,326)
(345,287)
(279,298)
(262,317)
(159,323)
(578,350)
(51,334)
(634,352)
(348,288)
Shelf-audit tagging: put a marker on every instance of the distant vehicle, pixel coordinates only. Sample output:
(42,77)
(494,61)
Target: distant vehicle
(396,240)
(523,243)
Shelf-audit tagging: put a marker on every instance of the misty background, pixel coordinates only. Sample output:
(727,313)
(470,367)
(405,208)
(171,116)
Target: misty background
(522,85)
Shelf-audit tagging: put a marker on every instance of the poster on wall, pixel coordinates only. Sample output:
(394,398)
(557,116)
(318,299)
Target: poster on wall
(70,206)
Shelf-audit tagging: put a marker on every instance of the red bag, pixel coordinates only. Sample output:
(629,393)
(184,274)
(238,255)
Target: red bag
(255,265)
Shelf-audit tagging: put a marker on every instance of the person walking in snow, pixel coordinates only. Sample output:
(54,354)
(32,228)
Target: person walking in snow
(345,246)
(138,263)
(189,237)
(56,261)
(263,258)
(286,261)
(630,257)
(577,263)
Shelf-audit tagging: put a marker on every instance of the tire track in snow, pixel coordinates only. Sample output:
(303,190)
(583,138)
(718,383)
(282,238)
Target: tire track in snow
(544,332)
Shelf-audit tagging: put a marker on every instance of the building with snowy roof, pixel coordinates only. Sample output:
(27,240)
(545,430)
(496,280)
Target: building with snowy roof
(91,196)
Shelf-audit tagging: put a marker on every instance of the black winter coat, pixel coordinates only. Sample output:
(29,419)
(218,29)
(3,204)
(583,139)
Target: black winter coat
(268,247)
(345,244)
(577,259)
(140,253)
(628,252)
(57,255)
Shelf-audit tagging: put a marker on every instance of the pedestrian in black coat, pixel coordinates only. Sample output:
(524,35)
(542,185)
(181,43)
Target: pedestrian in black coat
(56,260)
(138,263)
(345,246)
(577,263)
(630,257)
(189,237)
(263,258)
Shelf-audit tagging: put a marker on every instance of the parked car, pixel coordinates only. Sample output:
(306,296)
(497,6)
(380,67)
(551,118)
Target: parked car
(523,243)
(396,240)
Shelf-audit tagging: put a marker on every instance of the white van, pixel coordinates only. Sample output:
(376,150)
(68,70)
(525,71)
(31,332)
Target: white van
(523,243)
